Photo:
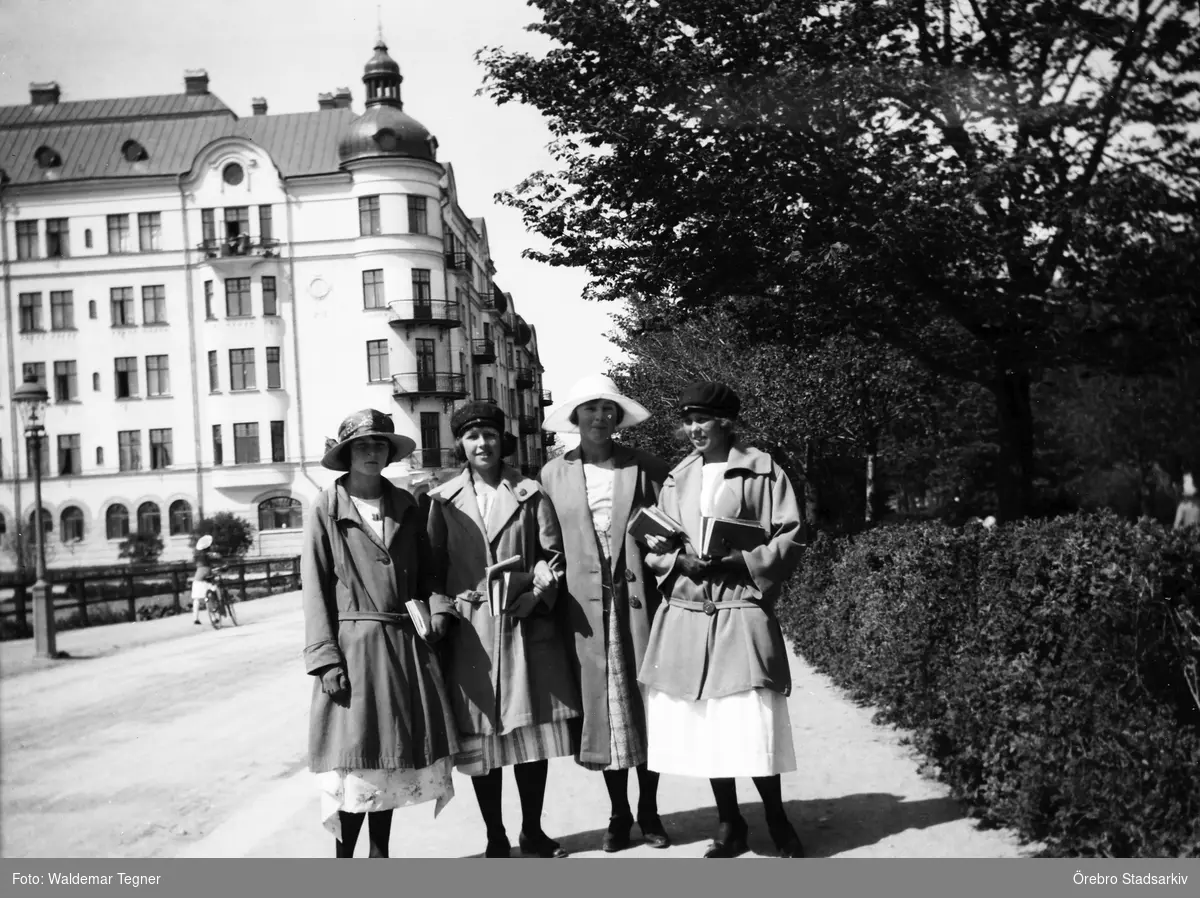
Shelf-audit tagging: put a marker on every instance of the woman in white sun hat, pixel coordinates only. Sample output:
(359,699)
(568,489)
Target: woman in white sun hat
(611,596)
(200,582)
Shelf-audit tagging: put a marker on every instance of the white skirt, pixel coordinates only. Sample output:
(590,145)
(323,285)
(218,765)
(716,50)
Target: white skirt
(748,734)
(364,791)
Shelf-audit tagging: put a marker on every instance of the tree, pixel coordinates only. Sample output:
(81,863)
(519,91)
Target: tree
(232,536)
(141,548)
(995,191)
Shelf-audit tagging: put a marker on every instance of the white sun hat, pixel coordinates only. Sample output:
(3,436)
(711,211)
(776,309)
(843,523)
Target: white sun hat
(589,389)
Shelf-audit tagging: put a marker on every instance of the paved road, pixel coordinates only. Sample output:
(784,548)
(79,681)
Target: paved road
(160,739)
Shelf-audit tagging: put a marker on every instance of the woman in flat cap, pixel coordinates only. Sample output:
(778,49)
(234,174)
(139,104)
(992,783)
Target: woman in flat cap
(381,730)
(509,673)
(611,597)
(716,668)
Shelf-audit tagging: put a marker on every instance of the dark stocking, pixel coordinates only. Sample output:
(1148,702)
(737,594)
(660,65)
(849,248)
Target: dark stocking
(725,792)
(647,793)
(488,790)
(617,783)
(379,828)
(351,824)
(531,785)
(770,790)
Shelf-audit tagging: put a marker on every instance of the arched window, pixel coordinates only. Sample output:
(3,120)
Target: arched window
(47,521)
(47,158)
(71,525)
(134,151)
(3,525)
(180,516)
(280,513)
(116,522)
(149,518)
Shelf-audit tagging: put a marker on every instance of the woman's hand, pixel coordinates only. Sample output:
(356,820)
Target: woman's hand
(693,565)
(439,626)
(523,605)
(336,684)
(733,563)
(661,545)
(542,578)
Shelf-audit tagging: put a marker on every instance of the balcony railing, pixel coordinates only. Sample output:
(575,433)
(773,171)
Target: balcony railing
(429,383)
(547,397)
(435,458)
(524,377)
(241,245)
(438,312)
(549,437)
(483,350)
(529,424)
(457,261)
(487,301)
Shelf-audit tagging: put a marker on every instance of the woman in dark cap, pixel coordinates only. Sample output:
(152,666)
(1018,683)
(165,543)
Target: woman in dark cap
(381,731)
(611,597)
(508,671)
(716,669)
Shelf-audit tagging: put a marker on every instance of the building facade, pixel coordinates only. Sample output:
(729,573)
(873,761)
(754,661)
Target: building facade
(206,297)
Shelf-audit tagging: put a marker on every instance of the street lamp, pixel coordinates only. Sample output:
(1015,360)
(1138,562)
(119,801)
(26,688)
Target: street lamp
(30,398)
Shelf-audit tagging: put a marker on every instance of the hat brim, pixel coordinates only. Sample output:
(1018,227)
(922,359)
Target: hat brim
(558,419)
(336,459)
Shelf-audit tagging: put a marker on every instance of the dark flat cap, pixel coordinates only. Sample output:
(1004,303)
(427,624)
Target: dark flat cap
(477,414)
(716,399)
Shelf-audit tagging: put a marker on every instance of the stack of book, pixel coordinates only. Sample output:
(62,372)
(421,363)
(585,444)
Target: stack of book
(505,585)
(653,522)
(720,536)
(419,612)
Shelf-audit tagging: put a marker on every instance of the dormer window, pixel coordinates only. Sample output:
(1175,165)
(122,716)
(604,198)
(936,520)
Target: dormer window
(233,174)
(134,151)
(47,158)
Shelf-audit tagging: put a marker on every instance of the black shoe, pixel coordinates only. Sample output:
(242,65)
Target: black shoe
(541,845)
(617,837)
(787,842)
(498,848)
(653,831)
(730,840)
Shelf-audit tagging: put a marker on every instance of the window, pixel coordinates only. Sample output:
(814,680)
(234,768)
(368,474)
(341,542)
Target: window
(3,525)
(47,521)
(270,299)
(87,238)
(30,305)
(491,389)
(27,239)
(280,513)
(116,522)
(149,518)
(58,238)
(92,312)
(154,304)
(129,444)
(421,287)
(96,381)
(120,300)
(71,525)
(265,231)
(35,371)
(378,368)
(208,226)
(510,353)
(274,381)
(218,446)
(475,382)
(66,384)
(208,298)
(149,231)
(237,224)
(160,448)
(368,215)
(241,369)
(431,439)
(233,174)
(158,376)
(213,382)
(237,297)
(118,234)
(99,456)
(179,518)
(126,380)
(70,459)
(277,448)
(426,360)
(245,444)
(62,310)
(373,289)
(418,217)
(43,456)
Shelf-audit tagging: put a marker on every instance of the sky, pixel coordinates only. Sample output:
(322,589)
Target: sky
(289,51)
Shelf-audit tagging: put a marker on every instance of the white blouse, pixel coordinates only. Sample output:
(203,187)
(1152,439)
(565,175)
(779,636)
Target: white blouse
(485,497)
(714,475)
(599,477)
(371,511)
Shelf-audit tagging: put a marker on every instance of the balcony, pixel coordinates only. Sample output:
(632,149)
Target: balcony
(430,383)
(435,312)
(524,377)
(549,438)
(529,424)
(487,301)
(483,351)
(434,458)
(547,398)
(239,247)
(458,261)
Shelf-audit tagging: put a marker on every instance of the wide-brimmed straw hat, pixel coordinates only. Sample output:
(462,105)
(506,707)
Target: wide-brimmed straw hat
(366,423)
(591,389)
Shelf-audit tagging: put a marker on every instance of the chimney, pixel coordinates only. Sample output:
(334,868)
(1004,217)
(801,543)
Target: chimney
(326,101)
(259,105)
(196,82)
(43,94)
(342,99)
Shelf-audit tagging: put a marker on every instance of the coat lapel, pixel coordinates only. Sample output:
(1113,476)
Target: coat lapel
(624,486)
(505,505)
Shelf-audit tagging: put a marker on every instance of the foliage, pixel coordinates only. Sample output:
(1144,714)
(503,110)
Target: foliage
(232,536)
(1050,669)
(141,548)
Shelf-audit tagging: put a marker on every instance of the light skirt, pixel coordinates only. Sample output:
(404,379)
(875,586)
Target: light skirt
(479,754)
(363,791)
(748,734)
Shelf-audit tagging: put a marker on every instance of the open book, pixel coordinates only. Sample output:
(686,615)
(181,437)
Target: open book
(653,522)
(720,536)
(419,612)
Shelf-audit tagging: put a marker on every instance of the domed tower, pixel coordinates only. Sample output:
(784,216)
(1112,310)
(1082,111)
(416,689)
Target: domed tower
(384,130)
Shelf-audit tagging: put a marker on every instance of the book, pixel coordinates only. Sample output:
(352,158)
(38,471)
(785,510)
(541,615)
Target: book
(720,536)
(421,618)
(653,522)
(507,588)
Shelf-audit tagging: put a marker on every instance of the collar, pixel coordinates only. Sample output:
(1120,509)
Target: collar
(741,458)
(392,498)
(520,486)
(621,456)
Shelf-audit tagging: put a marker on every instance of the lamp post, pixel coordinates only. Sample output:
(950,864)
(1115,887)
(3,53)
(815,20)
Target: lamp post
(30,398)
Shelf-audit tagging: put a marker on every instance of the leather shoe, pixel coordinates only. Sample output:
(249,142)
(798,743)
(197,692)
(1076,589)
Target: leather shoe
(787,842)
(498,848)
(730,840)
(617,836)
(653,831)
(541,845)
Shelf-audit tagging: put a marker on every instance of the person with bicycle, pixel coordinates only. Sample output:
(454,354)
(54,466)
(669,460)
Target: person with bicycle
(202,580)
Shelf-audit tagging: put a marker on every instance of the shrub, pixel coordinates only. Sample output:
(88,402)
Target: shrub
(232,536)
(141,548)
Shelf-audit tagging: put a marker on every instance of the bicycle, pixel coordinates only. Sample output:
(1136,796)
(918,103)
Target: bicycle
(219,604)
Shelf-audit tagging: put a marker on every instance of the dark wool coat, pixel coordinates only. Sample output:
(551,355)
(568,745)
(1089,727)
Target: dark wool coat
(506,672)
(694,654)
(637,478)
(399,713)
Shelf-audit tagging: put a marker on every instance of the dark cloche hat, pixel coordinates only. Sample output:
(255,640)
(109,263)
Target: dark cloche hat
(716,399)
(476,414)
(366,423)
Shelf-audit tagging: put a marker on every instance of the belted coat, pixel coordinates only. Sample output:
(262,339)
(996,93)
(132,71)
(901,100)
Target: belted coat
(354,591)
(637,478)
(502,672)
(718,635)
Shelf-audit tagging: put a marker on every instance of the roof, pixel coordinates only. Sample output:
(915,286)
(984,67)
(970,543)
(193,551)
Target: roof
(119,109)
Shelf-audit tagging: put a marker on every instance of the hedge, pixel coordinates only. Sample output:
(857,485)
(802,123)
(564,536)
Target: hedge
(1049,669)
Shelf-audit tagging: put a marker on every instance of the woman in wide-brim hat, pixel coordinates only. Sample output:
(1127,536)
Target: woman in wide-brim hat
(611,595)
(716,669)
(508,672)
(381,733)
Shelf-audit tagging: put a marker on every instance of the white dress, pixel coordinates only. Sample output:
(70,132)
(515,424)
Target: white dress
(747,734)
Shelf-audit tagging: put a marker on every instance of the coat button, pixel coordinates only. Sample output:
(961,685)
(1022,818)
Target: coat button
(384,559)
(709,608)
(635,603)
(630,575)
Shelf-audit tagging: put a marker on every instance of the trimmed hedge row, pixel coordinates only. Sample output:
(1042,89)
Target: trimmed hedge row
(1048,668)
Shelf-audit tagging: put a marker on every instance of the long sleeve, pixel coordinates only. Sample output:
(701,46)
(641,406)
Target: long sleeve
(550,548)
(434,545)
(320,605)
(662,565)
(770,564)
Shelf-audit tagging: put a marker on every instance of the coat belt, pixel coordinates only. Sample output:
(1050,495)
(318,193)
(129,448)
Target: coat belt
(710,607)
(384,617)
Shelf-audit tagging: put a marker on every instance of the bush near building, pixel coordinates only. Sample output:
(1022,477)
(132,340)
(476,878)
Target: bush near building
(1050,669)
